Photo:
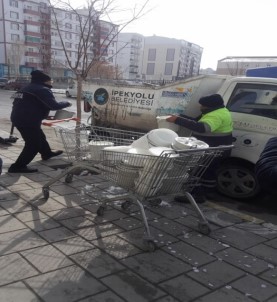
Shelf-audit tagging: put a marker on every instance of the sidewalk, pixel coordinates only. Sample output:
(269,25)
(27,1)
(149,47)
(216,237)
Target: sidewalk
(60,250)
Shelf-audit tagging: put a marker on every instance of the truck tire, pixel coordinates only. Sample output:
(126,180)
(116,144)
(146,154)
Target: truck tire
(236,179)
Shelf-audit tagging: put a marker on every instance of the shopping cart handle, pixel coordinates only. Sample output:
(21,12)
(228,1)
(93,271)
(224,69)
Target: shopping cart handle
(60,121)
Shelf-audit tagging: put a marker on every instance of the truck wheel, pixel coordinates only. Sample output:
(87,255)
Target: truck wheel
(236,179)
(67,94)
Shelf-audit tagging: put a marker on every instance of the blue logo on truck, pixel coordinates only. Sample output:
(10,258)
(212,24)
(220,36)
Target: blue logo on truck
(101,96)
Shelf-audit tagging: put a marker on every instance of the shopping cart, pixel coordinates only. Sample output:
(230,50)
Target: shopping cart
(146,178)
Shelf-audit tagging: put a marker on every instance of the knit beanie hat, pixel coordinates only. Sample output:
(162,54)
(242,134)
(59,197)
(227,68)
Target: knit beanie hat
(39,77)
(211,101)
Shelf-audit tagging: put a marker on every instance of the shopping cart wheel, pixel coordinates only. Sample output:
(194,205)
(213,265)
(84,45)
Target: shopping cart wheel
(204,228)
(100,211)
(150,244)
(126,205)
(68,178)
(45,192)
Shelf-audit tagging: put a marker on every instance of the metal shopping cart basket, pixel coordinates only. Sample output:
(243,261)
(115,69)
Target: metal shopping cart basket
(144,177)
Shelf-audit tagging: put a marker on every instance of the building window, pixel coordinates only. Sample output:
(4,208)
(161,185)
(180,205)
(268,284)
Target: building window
(68,35)
(13,3)
(15,26)
(151,54)
(170,54)
(14,37)
(150,68)
(68,25)
(67,45)
(168,68)
(14,15)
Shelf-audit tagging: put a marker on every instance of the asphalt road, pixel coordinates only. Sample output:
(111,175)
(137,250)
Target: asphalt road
(263,207)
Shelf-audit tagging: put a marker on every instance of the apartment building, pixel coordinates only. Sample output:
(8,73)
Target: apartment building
(238,65)
(30,39)
(129,55)
(156,58)
(24,36)
(168,59)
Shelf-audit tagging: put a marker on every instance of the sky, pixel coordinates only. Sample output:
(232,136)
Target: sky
(221,27)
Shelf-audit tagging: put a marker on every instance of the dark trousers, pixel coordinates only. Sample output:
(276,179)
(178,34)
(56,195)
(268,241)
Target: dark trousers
(35,142)
(208,181)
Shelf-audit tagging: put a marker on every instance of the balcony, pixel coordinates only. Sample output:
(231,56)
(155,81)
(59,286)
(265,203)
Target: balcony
(31,12)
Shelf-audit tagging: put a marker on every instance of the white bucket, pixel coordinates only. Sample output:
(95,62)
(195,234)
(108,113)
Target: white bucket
(96,147)
(161,137)
(162,123)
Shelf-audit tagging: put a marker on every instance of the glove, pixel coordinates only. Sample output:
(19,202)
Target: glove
(69,104)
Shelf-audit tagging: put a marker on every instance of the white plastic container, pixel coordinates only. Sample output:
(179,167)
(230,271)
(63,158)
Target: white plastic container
(184,143)
(162,123)
(161,137)
(96,147)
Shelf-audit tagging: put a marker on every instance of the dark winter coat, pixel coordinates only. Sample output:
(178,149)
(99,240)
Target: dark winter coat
(33,103)
(266,166)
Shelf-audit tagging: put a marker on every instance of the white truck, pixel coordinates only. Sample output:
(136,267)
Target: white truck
(251,100)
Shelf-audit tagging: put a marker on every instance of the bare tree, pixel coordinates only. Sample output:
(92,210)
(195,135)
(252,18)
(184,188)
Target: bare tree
(96,35)
(16,52)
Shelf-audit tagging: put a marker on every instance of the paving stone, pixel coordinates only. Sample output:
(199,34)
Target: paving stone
(76,222)
(167,299)
(16,206)
(128,223)
(32,194)
(137,237)
(17,292)
(172,210)
(132,287)
(94,206)
(73,245)
(6,195)
(67,213)
(169,226)
(46,258)
(63,189)
(272,243)
(73,200)
(15,188)
(226,294)
(38,177)
(3,212)
(9,223)
(19,240)
(42,224)
(216,274)
(205,243)
(265,252)
(243,260)
(48,205)
(14,268)
(110,215)
(257,288)
(156,267)
(116,247)
(107,296)
(237,237)
(98,263)
(221,218)
(98,231)
(273,299)
(65,285)
(149,215)
(189,254)
(258,229)
(56,234)
(184,288)
(270,275)
(32,215)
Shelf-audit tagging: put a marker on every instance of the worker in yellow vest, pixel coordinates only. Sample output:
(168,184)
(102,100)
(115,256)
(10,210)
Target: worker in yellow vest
(214,126)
